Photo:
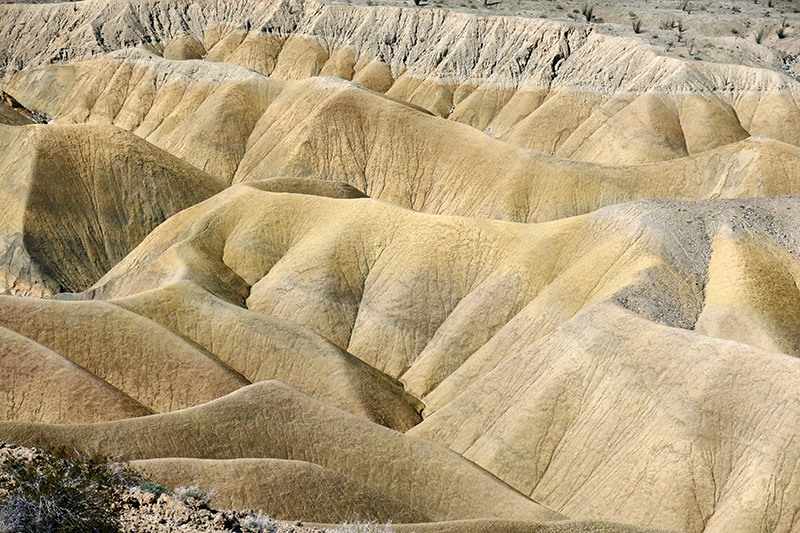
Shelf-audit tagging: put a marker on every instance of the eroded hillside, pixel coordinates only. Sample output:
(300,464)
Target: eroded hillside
(427,266)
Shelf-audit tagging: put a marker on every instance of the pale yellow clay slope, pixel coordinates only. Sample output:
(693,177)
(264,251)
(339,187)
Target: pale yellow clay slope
(360,271)
(614,416)
(40,385)
(508,526)
(329,129)
(200,112)
(263,347)
(146,361)
(447,304)
(559,261)
(77,199)
(290,489)
(558,87)
(272,420)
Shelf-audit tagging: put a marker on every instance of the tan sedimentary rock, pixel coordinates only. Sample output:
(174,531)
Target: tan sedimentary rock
(78,198)
(272,420)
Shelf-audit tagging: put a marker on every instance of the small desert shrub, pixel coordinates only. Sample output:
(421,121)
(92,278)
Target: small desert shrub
(637,26)
(260,523)
(194,492)
(759,36)
(363,527)
(681,28)
(587,10)
(782,30)
(153,488)
(53,493)
(667,24)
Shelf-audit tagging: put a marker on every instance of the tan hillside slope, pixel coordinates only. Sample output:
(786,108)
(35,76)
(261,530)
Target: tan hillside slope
(241,126)
(289,489)
(263,347)
(513,334)
(200,112)
(40,385)
(362,271)
(508,526)
(468,303)
(137,356)
(78,198)
(558,87)
(394,153)
(207,349)
(272,420)
(614,417)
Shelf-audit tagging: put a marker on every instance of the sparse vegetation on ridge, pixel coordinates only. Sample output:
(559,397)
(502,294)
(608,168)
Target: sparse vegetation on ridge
(184,494)
(260,523)
(53,493)
(587,10)
(153,488)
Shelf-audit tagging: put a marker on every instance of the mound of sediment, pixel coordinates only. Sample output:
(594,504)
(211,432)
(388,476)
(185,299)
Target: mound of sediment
(78,198)
(476,273)
(271,420)
(240,126)
(554,86)
(484,294)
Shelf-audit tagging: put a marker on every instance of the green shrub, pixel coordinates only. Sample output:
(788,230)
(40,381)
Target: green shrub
(153,488)
(53,493)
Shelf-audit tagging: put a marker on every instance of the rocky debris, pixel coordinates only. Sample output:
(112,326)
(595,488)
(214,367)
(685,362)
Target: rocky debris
(144,512)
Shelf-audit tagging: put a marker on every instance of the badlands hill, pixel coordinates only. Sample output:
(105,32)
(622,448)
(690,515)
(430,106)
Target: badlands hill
(457,271)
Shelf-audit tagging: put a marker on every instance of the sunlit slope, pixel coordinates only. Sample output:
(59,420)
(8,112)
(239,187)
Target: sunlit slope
(180,347)
(77,199)
(612,415)
(263,347)
(272,420)
(288,489)
(40,385)
(360,271)
(146,361)
(200,112)
(405,264)
(557,87)
(466,303)
(569,358)
(241,126)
